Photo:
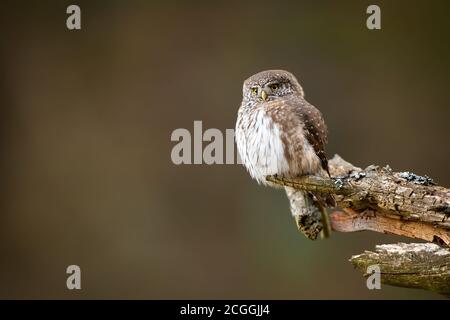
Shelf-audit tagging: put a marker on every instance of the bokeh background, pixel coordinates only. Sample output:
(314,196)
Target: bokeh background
(86,118)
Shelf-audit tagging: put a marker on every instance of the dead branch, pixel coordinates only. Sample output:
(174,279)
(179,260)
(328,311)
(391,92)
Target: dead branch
(415,265)
(378,199)
(401,203)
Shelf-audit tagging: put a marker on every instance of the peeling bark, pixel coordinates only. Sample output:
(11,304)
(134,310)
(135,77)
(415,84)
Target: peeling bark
(381,200)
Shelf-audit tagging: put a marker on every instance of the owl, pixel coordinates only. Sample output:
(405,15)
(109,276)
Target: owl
(279,133)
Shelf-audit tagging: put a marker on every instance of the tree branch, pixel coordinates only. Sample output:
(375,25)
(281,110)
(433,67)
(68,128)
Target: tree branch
(401,203)
(378,199)
(415,265)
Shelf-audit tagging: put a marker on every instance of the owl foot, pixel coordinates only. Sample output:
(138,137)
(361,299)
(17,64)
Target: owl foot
(309,226)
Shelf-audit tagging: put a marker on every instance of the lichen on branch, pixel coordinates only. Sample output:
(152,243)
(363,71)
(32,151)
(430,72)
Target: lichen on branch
(381,200)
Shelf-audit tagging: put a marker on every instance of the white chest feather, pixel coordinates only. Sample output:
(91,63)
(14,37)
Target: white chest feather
(260,146)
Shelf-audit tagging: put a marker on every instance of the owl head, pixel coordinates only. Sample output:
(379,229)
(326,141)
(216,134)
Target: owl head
(271,84)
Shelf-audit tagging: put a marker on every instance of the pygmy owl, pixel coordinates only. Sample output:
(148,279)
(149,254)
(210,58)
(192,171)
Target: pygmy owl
(279,133)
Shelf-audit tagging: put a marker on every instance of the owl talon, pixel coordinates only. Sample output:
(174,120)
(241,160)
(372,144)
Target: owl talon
(309,226)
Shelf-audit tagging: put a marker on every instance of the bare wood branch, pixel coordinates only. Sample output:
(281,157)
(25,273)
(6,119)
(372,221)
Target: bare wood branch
(415,265)
(381,200)
(400,203)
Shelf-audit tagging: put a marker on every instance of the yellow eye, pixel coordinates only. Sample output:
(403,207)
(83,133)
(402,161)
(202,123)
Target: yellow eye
(254,90)
(274,87)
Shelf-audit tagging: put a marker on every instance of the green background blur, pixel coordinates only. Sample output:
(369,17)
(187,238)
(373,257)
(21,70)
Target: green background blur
(86,118)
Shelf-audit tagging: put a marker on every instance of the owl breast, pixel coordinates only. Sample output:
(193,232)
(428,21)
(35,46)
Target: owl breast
(260,145)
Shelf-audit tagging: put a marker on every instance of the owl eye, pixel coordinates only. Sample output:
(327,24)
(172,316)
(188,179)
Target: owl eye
(254,90)
(274,86)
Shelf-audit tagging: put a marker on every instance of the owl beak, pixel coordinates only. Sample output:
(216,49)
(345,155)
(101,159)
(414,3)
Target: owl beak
(264,95)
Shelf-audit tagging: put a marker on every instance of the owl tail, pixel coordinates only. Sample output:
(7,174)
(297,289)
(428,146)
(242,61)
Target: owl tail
(310,212)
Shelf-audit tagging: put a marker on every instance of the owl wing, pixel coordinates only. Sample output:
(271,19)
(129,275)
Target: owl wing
(316,133)
(315,130)
(294,114)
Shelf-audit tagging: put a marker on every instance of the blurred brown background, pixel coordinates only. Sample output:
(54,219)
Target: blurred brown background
(86,118)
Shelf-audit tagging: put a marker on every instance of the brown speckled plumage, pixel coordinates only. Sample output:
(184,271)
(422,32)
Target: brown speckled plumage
(279,133)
